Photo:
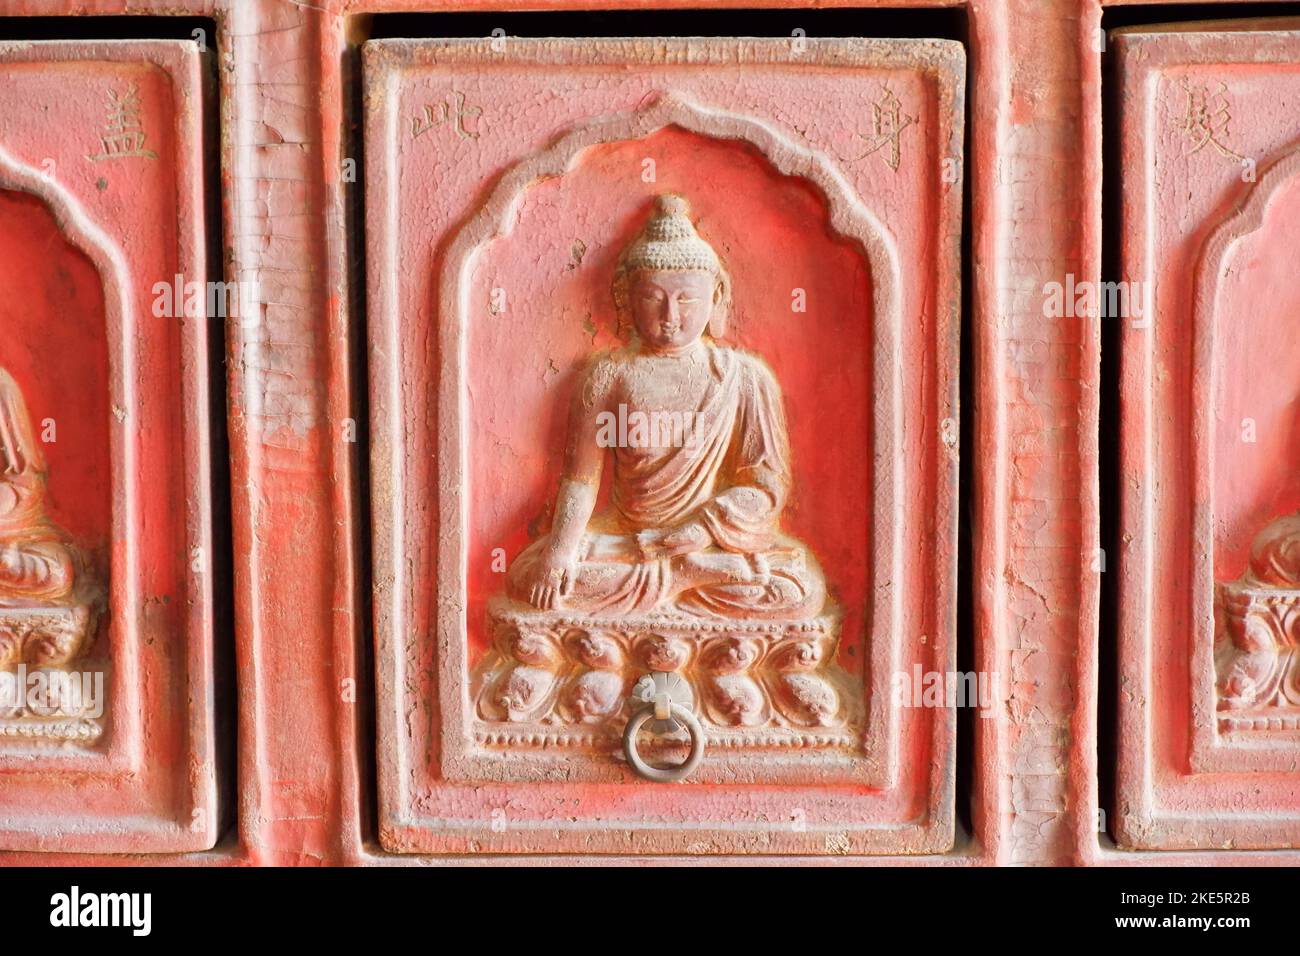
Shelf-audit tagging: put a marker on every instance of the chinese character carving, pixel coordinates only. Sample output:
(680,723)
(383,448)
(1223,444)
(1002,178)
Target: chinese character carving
(124,133)
(47,599)
(687,570)
(1205,120)
(454,112)
(887,124)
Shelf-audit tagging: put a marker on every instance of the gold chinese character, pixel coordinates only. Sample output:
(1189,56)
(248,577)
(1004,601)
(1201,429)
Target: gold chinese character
(124,133)
(887,123)
(445,112)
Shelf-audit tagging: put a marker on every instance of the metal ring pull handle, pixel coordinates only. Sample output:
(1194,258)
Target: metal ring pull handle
(664,697)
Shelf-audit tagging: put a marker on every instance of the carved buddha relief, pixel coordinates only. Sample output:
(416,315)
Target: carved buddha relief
(654,498)
(48,597)
(686,572)
(694,520)
(1257,631)
(108,582)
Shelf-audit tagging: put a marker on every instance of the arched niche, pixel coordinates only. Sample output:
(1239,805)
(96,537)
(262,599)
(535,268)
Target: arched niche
(55,347)
(67,344)
(548,234)
(1247,365)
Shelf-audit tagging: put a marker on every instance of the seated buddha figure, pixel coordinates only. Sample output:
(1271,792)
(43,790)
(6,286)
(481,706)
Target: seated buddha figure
(693,520)
(37,566)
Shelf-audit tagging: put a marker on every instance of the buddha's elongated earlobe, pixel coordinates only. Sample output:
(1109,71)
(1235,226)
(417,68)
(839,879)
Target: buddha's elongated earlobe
(718,324)
(721,306)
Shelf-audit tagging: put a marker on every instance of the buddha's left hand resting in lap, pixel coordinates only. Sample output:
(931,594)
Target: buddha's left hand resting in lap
(36,565)
(700,455)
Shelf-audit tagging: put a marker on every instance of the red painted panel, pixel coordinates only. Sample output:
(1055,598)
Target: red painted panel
(1210,717)
(101,197)
(497,209)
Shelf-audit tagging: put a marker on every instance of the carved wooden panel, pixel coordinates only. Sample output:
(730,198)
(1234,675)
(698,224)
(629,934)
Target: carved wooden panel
(1210,585)
(750,250)
(106,716)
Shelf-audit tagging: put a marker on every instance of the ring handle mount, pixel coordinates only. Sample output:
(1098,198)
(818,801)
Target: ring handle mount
(664,698)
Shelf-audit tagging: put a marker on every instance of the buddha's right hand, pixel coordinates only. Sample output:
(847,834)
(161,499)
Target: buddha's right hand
(552,579)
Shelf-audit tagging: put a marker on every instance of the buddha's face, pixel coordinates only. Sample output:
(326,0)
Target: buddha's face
(671,309)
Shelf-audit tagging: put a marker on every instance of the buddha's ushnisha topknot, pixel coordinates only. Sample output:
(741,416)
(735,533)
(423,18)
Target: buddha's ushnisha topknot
(669,242)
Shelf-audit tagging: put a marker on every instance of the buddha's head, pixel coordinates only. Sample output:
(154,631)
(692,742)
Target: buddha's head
(670,283)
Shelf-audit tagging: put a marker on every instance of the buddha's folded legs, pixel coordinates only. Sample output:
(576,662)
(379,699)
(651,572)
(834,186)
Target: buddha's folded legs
(786,585)
(612,578)
(33,571)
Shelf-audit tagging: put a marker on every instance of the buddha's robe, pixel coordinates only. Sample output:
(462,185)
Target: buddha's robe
(36,566)
(732,475)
